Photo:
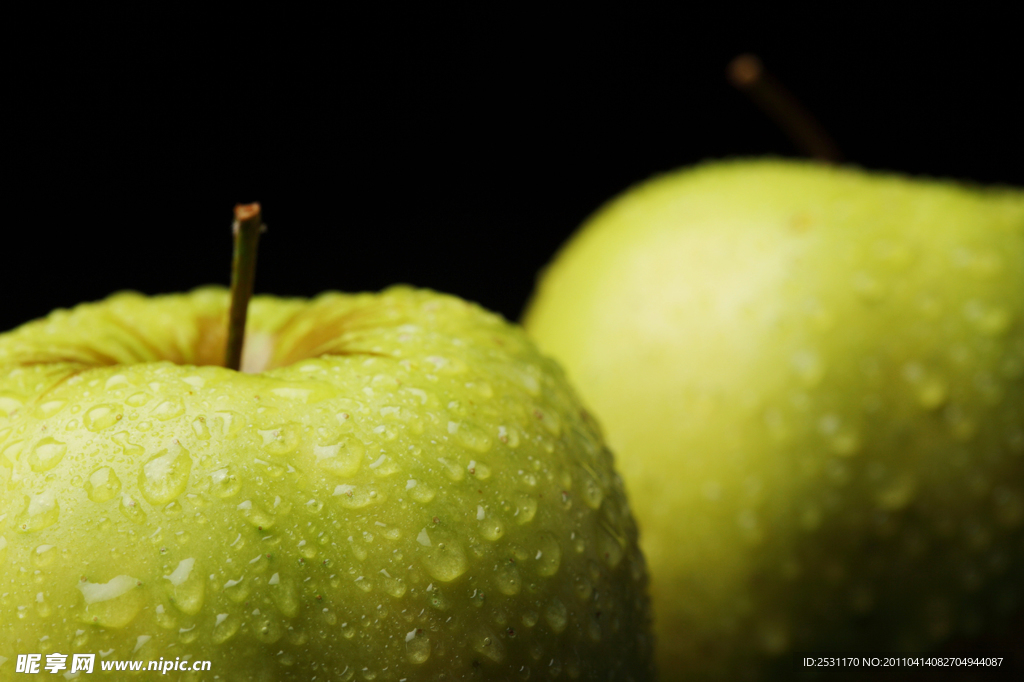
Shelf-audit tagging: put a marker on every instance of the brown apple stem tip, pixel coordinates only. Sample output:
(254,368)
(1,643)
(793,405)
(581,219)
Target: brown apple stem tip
(747,73)
(247,228)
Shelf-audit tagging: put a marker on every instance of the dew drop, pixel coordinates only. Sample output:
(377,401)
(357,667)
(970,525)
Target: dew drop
(168,409)
(43,556)
(229,422)
(112,604)
(49,408)
(42,511)
(492,529)
(591,492)
(487,644)
(224,483)
(609,545)
(549,420)
(548,556)
(393,586)
(421,492)
(526,508)
(508,580)
(101,417)
(267,629)
(473,438)
(445,559)
(165,475)
(556,615)
(281,440)
(225,628)
(341,459)
(187,588)
(102,485)
(46,454)
(130,449)
(417,646)
(284,596)
(200,429)
(132,509)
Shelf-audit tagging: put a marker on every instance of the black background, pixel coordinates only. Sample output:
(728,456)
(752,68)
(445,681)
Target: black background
(450,149)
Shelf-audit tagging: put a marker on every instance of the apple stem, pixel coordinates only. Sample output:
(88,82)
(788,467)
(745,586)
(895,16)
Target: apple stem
(247,228)
(747,73)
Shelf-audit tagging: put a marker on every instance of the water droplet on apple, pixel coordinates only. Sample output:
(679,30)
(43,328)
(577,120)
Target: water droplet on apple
(508,580)
(189,634)
(230,422)
(46,454)
(342,459)
(137,399)
(165,475)
(556,615)
(237,589)
(132,509)
(417,646)
(609,544)
(526,509)
(168,409)
(284,595)
(486,643)
(102,485)
(281,440)
(101,417)
(112,604)
(224,483)
(225,627)
(41,511)
(421,492)
(200,429)
(267,629)
(444,559)
(43,556)
(590,490)
(492,529)
(473,438)
(185,587)
(548,554)
(393,586)
(49,408)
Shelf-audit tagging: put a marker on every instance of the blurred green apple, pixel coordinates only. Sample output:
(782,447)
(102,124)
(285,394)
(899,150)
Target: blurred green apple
(398,488)
(813,381)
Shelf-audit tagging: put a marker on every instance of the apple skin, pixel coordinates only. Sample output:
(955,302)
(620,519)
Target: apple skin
(812,378)
(401,486)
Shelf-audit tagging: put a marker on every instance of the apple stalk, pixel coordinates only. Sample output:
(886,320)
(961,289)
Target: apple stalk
(247,228)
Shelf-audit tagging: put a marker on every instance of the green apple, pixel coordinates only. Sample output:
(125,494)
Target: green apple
(397,487)
(813,381)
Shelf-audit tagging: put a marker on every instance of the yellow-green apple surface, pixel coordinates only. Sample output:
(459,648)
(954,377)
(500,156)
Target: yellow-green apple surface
(813,381)
(397,487)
